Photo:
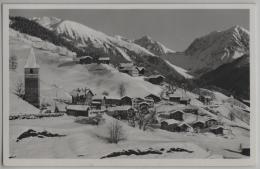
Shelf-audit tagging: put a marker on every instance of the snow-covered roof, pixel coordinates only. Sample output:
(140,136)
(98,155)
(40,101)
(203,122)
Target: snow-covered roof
(84,57)
(119,108)
(156,76)
(96,102)
(171,121)
(80,92)
(31,60)
(140,68)
(216,127)
(78,107)
(175,111)
(184,123)
(104,58)
(126,64)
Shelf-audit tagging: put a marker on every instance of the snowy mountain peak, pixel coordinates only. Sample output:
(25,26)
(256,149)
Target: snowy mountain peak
(153,46)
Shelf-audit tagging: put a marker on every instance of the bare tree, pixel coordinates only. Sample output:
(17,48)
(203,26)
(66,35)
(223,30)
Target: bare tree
(13,62)
(115,132)
(19,89)
(122,89)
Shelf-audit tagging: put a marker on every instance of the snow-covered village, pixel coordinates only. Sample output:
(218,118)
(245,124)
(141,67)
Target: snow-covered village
(80,93)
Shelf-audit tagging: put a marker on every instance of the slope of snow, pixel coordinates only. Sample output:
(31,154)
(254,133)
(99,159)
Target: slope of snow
(180,70)
(19,106)
(123,54)
(66,76)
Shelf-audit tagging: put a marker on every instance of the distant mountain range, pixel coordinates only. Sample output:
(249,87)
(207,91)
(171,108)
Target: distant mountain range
(210,58)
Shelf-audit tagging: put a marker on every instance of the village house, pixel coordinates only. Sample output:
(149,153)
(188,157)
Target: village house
(78,110)
(184,127)
(126,100)
(176,114)
(81,96)
(155,79)
(104,60)
(185,100)
(111,101)
(175,97)
(211,122)
(205,99)
(155,98)
(137,101)
(119,112)
(198,125)
(128,68)
(175,126)
(96,104)
(85,59)
(170,125)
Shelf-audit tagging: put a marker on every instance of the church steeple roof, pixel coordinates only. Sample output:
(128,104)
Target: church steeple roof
(31,60)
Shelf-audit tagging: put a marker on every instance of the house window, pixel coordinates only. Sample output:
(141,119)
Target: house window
(31,71)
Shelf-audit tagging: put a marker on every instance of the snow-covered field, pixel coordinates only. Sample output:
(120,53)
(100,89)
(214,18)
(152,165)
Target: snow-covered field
(87,141)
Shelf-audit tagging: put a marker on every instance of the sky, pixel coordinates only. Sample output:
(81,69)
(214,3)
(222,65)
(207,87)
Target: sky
(175,28)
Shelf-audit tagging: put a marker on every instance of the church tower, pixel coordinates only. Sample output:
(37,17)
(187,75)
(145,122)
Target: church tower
(31,80)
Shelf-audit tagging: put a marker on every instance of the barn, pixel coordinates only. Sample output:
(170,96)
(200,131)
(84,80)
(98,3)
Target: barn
(78,110)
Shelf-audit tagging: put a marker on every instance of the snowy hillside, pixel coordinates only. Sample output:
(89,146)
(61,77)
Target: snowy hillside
(153,46)
(212,50)
(60,74)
